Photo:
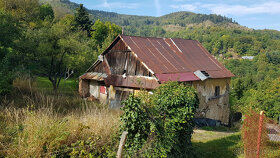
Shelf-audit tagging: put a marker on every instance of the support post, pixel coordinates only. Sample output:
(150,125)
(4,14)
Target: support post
(259,134)
(121,146)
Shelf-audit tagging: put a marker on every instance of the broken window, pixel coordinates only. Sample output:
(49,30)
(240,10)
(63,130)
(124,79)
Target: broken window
(217,91)
(205,74)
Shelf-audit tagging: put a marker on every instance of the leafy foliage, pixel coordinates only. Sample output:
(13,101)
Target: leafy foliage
(161,125)
(257,84)
(82,19)
(136,123)
(42,44)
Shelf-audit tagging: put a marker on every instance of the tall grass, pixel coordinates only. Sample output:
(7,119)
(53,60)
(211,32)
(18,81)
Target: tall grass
(36,124)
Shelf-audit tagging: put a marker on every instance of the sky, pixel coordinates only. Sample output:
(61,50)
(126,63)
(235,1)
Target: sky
(257,14)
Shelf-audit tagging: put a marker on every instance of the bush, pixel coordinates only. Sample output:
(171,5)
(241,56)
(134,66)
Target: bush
(5,84)
(161,125)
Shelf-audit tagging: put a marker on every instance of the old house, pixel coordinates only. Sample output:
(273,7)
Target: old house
(131,63)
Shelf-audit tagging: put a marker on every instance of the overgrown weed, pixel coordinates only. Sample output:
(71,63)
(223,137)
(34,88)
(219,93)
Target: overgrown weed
(36,124)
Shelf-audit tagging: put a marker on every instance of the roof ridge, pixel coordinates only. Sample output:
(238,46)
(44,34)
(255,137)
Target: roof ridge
(156,37)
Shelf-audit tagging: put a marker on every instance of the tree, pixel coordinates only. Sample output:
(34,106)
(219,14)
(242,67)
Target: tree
(9,32)
(9,29)
(266,98)
(104,34)
(24,10)
(82,20)
(46,11)
(58,45)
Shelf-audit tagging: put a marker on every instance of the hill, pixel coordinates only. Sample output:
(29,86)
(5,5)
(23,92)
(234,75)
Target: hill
(177,18)
(220,35)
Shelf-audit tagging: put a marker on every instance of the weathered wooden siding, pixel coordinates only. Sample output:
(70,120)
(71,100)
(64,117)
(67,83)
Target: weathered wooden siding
(121,60)
(99,68)
(84,88)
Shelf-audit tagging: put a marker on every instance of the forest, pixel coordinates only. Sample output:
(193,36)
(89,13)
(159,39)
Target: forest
(42,40)
(39,41)
(33,41)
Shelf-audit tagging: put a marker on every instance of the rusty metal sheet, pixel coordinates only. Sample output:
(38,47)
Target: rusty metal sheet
(187,76)
(131,81)
(94,76)
(174,55)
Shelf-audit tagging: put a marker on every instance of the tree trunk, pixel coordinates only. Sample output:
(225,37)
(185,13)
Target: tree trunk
(54,85)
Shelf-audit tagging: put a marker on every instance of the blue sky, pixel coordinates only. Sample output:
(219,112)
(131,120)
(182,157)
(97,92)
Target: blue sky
(257,14)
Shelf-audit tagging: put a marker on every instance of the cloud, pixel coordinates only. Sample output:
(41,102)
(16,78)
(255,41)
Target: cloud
(265,8)
(118,5)
(186,7)
(158,9)
(237,10)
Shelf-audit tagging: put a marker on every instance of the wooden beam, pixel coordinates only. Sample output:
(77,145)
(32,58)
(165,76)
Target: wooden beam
(120,51)
(106,66)
(122,142)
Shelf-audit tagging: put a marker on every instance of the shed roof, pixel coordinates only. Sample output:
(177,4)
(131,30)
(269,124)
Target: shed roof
(175,56)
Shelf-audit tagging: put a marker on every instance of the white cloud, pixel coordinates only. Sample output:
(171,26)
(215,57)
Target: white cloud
(267,7)
(118,5)
(237,10)
(186,7)
(158,9)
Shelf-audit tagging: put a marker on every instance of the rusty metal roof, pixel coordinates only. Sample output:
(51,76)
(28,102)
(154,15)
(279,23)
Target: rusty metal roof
(173,58)
(94,76)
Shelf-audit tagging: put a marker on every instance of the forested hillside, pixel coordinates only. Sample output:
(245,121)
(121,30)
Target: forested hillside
(220,35)
(42,115)
(257,81)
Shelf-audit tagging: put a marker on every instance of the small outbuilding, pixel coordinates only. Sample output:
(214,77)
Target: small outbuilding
(132,63)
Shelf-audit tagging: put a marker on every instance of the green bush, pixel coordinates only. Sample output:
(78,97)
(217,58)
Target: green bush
(136,123)
(161,125)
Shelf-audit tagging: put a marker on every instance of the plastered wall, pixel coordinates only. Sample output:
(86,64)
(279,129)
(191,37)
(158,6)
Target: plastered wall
(211,106)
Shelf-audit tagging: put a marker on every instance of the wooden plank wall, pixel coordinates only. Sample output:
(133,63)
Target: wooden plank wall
(121,60)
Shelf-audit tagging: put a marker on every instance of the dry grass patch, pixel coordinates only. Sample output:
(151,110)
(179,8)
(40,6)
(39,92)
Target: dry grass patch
(43,133)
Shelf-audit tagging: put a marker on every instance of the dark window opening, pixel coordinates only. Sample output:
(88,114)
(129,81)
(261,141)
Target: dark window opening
(217,91)
(205,74)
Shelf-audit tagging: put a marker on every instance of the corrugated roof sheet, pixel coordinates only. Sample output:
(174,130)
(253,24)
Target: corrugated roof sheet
(94,76)
(176,57)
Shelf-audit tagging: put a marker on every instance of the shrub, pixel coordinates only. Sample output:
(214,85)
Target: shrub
(5,85)
(135,122)
(161,125)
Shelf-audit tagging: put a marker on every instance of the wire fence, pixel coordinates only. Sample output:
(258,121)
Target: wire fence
(261,136)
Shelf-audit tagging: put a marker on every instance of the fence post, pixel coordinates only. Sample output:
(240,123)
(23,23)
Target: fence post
(259,134)
(122,142)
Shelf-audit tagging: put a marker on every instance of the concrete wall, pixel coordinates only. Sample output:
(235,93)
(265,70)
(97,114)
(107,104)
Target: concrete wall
(211,106)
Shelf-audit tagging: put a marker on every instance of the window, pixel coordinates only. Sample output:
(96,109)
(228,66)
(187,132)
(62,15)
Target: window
(217,91)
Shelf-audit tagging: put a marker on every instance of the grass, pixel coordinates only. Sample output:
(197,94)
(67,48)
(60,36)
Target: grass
(226,147)
(42,132)
(66,86)
(216,142)
(37,123)
(34,122)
